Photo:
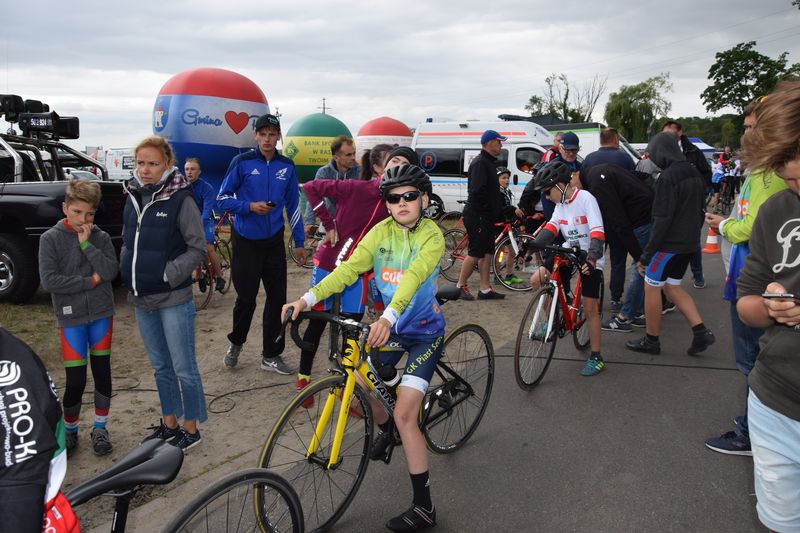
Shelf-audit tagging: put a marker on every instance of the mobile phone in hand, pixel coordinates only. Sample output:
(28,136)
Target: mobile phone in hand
(781,296)
(270,203)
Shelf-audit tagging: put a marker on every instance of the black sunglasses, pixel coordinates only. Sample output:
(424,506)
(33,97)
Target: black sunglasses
(409,196)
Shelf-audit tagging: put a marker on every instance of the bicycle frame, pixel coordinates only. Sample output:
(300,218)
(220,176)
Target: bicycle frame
(568,310)
(352,364)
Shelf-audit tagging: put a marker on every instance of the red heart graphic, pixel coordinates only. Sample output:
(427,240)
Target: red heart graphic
(236,121)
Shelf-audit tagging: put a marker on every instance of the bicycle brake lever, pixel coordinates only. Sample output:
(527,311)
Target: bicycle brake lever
(287,317)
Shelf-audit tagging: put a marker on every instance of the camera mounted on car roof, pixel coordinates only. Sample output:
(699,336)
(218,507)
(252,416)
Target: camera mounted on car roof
(36,120)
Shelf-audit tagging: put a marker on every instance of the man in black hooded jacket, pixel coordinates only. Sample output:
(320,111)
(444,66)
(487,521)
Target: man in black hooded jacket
(677,220)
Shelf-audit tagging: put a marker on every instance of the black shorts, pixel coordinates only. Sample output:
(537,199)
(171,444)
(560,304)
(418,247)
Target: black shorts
(717,187)
(591,283)
(480,231)
(666,267)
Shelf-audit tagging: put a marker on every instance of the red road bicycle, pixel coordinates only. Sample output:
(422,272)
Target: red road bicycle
(550,316)
(509,241)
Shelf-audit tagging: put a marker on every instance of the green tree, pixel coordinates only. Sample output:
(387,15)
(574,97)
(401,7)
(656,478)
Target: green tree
(741,74)
(633,107)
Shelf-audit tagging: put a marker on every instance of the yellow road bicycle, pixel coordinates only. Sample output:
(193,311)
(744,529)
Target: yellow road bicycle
(322,442)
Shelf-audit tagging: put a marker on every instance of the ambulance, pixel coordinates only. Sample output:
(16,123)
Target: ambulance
(446,149)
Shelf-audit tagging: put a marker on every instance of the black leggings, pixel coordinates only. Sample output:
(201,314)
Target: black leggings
(76,380)
(313,334)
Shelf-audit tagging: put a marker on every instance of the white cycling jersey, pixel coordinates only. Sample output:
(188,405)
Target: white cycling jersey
(579,221)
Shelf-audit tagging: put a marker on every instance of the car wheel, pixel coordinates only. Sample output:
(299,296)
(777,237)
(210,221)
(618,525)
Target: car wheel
(19,271)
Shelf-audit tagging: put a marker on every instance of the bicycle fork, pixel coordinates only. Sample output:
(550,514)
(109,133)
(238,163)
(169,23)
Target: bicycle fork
(540,310)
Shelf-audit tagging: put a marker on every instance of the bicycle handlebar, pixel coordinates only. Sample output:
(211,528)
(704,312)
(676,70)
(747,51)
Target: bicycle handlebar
(348,323)
(573,253)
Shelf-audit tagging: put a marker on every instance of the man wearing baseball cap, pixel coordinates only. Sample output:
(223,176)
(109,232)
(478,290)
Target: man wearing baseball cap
(484,207)
(568,153)
(259,186)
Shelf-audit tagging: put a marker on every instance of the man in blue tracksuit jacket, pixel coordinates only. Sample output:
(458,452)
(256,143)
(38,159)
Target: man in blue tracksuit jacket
(257,188)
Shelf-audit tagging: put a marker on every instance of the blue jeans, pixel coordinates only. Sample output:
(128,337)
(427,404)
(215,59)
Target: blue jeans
(745,348)
(168,336)
(633,304)
(696,264)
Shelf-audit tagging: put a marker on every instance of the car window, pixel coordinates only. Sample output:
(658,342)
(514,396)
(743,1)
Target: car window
(527,157)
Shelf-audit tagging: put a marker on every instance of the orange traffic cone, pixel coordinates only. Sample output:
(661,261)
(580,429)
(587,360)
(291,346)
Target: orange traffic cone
(712,243)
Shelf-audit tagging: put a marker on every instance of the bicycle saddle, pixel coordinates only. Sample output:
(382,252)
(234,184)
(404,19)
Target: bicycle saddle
(447,293)
(153,463)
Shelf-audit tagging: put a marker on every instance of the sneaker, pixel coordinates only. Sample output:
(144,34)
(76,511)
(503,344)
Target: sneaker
(414,519)
(162,432)
(101,443)
(491,295)
(185,440)
(701,342)
(730,444)
(380,444)
(276,364)
(615,323)
(512,279)
(232,355)
(593,367)
(644,345)
(72,442)
(465,294)
(299,385)
(639,322)
(668,307)
(616,305)
(699,283)
(220,285)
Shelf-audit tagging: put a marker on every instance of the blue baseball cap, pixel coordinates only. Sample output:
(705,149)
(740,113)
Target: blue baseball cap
(490,135)
(570,141)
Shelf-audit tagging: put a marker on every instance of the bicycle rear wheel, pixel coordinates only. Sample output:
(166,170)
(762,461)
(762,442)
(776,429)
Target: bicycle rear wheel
(203,286)
(536,343)
(459,390)
(224,253)
(250,500)
(324,492)
(455,250)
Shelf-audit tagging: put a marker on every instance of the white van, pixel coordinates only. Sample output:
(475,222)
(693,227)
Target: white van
(120,163)
(446,149)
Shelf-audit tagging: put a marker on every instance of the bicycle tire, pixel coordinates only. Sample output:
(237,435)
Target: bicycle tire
(499,263)
(580,335)
(324,493)
(263,501)
(459,390)
(310,246)
(435,208)
(453,256)
(532,352)
(203,286)
(224,253)
(450,220)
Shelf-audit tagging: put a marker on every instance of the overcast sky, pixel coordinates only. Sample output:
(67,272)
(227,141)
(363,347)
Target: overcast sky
(106,61)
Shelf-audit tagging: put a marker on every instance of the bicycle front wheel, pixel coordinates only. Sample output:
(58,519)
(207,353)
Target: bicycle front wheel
(224,254)
(203,286)
(324,491)
(250,500)
(311,244)
(450,220)
(503,274)
(459,390)
(536,342)
(455,250)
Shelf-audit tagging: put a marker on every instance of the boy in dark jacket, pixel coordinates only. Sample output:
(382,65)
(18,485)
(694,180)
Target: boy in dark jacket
(675,231)
(77,263)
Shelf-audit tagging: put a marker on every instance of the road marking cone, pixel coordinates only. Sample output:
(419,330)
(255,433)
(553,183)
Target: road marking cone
(712,243)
